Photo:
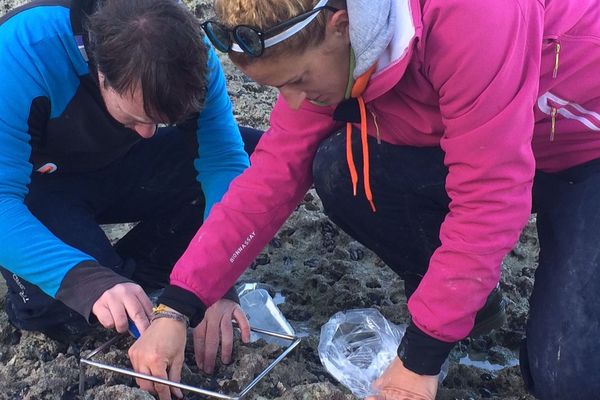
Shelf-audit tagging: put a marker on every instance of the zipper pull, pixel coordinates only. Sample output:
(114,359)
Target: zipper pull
(556,60)
(376,126)
(553,128)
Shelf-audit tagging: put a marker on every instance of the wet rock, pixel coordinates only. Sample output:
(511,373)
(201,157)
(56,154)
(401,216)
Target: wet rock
(288,261)
(249,366)
(375,297)
(9,335)
(117,392)
(356,254)
(312,263)
(525,285)
(262,259)
(373,284)
(486,377)
(316,391)
(275,243)
(327,228)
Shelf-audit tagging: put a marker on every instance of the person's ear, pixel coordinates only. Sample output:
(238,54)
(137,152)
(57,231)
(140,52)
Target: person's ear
(101,79)
(339,25)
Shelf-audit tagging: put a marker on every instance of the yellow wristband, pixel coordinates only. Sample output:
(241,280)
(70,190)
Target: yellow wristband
(161,308)
(162,311)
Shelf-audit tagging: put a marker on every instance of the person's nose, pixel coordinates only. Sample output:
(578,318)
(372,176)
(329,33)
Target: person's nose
(145,130)
(294,98)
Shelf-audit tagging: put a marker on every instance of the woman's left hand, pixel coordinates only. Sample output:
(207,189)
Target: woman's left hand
(159,352)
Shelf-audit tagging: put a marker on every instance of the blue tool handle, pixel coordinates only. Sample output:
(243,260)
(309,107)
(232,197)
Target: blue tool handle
(133,330)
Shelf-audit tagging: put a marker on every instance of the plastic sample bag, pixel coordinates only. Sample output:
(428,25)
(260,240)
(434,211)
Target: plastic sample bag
(262,313)
(356,346)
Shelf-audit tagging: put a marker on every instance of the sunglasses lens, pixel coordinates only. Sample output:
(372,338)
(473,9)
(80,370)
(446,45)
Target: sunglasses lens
(218,35)
(249,40)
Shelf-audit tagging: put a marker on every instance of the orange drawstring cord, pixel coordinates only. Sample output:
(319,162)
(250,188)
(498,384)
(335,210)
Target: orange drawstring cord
(350,158)
(357,89)
(365,150)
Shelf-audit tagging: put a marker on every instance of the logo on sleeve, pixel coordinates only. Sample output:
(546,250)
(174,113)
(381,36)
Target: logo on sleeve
(23,292)
(47,168)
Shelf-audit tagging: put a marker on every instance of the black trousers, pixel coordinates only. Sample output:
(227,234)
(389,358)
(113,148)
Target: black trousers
(559,358)
(410,196)
(154,184)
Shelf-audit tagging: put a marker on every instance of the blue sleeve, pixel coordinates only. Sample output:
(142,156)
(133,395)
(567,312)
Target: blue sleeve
(221,155)
(27,66)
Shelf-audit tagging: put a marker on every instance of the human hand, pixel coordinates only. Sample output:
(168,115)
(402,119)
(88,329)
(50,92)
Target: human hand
(160,352)
(215,328)
(400,383)
(120,302)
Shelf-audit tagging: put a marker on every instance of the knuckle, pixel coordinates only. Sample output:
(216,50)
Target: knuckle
(108,295)
(108,325)
(153,358)
(144,385)
(121,326)
(160,388)
(132,353)
(120,288)
(105,320)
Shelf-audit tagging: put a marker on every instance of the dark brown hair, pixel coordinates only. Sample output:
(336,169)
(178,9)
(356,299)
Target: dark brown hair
(156,44)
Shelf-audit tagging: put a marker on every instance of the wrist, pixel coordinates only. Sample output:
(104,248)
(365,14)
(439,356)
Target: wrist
(163,307)
(164,311)
(421,353)
(184,302)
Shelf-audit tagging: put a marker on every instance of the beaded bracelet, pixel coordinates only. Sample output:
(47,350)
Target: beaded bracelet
(162,312)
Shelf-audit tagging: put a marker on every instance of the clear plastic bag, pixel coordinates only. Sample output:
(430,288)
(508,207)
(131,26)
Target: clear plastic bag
(262,313)
(356,346)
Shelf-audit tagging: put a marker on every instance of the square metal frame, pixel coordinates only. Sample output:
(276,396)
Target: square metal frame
(88,360)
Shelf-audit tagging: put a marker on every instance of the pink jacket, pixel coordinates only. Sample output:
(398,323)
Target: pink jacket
(504,87)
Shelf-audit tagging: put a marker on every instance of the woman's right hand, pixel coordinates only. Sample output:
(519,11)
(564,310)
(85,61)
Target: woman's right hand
(160,352)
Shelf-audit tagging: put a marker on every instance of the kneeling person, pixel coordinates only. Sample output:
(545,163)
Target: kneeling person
(116,113)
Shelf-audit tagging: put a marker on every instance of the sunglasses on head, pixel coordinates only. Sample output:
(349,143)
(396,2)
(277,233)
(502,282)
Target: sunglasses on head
(253,41)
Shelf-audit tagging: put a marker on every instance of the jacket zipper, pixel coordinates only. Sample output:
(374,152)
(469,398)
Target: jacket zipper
(554,75)
(553,128)
(376,126)
(556,59)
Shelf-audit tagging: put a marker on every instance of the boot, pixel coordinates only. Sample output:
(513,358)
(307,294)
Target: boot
(491,316)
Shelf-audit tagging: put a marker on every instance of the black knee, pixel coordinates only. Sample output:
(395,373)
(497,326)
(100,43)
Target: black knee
(330,171)
(556,371)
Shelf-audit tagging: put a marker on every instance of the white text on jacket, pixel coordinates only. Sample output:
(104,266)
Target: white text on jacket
(239,250)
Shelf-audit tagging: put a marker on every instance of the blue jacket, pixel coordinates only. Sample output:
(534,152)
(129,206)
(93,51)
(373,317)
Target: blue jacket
(51,111)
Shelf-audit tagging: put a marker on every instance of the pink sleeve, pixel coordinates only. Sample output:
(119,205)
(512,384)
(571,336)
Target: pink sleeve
(256,205)
(483,59)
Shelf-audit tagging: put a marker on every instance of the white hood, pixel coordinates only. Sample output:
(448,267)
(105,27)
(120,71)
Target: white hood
(380,31)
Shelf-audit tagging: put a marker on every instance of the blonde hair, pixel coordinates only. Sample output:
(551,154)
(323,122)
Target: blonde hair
(264,14)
